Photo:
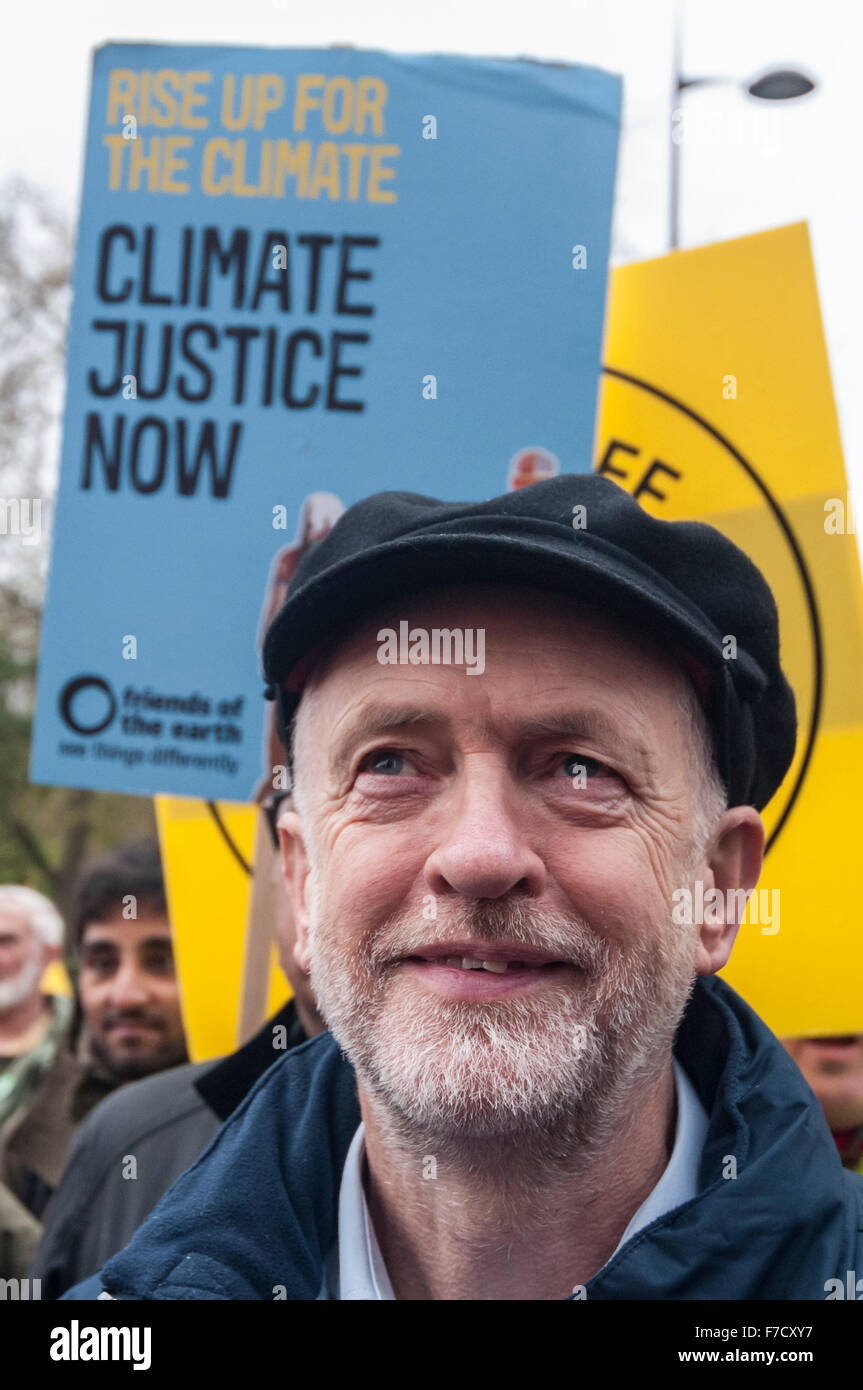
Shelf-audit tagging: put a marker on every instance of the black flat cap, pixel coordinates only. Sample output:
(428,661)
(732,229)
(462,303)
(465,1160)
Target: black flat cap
(681,582)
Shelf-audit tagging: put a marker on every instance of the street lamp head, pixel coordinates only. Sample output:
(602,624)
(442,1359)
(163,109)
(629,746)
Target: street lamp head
(781,85)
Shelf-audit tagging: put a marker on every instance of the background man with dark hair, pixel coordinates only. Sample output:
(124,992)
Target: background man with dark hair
(166,1121)
(128,1022)
(127,988)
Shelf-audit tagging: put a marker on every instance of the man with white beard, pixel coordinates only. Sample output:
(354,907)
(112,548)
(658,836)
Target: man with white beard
(534,1086)
(31,1023)
(32,1028)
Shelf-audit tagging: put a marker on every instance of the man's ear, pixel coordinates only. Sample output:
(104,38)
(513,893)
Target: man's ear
(295,866)
(733,869)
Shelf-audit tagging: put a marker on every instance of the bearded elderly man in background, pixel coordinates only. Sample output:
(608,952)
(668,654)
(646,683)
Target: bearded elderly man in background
(33,1024)
(534,1086)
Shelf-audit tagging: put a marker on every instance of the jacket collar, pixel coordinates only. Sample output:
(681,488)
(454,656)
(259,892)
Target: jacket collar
(226,1084)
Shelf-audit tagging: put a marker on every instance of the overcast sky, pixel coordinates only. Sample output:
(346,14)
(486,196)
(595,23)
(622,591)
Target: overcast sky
(754,165)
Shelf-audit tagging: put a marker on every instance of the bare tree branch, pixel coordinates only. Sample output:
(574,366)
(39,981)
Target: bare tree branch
(29,842)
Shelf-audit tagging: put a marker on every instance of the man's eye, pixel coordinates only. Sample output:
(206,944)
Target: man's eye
(101,965)
(580,768)
(159,964)
(386,762)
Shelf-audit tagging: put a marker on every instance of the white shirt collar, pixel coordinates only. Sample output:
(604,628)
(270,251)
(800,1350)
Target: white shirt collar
(679,1180)
(361,1271)
(357,1269)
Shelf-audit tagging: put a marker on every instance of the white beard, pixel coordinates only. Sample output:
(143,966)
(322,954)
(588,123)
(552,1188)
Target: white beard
(551,1069)
(25,983)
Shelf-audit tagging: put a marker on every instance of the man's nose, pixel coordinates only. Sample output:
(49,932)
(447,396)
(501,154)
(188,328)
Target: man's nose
(129,989)
(484,852)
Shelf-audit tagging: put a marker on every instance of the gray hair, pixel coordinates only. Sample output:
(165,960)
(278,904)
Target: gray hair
(39,911)
(711,797)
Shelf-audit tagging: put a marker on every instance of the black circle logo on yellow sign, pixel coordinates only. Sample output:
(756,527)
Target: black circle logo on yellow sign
(650,479)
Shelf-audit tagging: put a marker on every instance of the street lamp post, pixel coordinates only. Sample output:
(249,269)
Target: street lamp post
(776,84)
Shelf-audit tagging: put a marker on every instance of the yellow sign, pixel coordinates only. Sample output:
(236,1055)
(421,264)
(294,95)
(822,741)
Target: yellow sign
(207,856)
(56,979)
(717,406)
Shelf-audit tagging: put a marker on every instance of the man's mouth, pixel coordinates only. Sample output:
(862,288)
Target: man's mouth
(497,967)
(130,1026)
(472,955)
(461,967)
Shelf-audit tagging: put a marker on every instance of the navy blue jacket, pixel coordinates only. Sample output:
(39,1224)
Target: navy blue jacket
(257,1213)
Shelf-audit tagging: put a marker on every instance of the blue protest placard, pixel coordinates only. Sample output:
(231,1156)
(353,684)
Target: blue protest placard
(301,277)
